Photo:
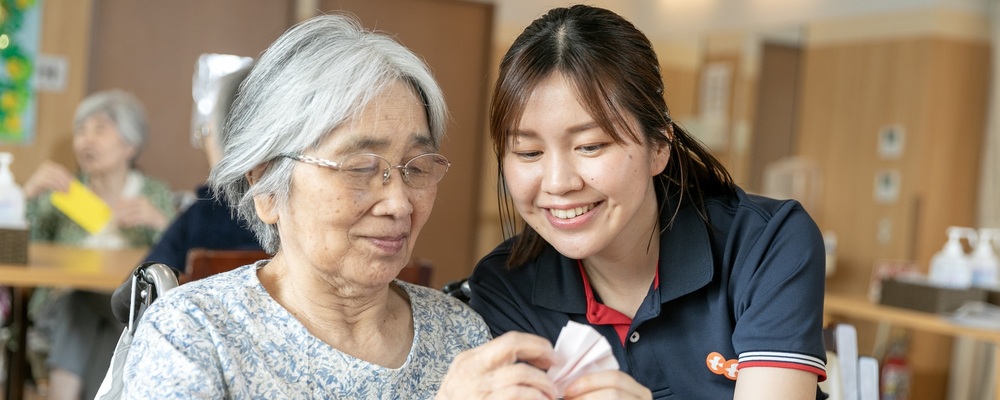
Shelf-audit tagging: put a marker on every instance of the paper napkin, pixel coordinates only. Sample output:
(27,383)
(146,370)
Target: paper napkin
(83,207)
(580,350)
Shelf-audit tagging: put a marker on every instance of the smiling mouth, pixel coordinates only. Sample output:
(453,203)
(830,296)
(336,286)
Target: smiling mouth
(572,212)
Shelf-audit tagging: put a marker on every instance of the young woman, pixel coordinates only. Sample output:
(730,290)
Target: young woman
(633,227)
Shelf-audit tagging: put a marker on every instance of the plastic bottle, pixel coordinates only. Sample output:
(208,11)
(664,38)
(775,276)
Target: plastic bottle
(984,262)
(895,379)
(951,267)
(11,197)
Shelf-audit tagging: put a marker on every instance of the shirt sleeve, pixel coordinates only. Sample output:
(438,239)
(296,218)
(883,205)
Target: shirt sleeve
(171,249)
(779,311)
(172,357)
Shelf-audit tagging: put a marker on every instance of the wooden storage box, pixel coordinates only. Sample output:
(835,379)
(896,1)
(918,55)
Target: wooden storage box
(923,296)
(13,246)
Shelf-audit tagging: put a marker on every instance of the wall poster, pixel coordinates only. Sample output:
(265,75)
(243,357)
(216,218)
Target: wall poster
(20,25)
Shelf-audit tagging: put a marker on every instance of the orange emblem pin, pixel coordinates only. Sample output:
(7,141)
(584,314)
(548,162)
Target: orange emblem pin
(719,365)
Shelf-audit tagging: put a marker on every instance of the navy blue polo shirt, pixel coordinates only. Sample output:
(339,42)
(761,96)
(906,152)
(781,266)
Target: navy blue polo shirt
(207,223)
(745,291)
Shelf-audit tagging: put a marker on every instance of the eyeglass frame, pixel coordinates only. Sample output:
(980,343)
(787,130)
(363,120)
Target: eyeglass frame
(337,166)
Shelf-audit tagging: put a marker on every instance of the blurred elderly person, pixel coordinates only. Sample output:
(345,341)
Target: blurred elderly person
(207,222)
(109,131)
(331,156)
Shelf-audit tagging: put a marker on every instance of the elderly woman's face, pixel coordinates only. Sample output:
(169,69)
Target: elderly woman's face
(100,147)
(361,235)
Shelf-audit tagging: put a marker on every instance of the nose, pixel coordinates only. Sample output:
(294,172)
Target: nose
(561,176)
(394,196)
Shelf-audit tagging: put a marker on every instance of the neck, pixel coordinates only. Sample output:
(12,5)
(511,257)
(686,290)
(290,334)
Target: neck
(373,324)
(622,274)
(108,185)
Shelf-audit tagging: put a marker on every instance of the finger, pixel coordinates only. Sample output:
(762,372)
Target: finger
(513,347)
(56,176)
(517,393)
(607,385)
(520,375)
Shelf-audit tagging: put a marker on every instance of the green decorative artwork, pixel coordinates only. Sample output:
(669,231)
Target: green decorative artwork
(19,29)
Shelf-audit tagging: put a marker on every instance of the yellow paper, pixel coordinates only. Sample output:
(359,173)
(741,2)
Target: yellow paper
(83,207)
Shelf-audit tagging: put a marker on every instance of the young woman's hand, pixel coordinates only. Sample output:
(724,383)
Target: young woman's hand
(606,385)
(511,366)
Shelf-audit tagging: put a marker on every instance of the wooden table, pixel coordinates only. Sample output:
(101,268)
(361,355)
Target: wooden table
(859,307)
(57,266)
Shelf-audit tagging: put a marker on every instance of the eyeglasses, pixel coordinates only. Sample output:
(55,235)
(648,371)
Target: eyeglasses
(363,171)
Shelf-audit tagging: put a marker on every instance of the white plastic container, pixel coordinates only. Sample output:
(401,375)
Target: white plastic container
(11,197)
(951,267)
(984,263)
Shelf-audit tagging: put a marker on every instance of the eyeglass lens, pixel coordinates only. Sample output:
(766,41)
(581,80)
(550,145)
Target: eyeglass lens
(364,171)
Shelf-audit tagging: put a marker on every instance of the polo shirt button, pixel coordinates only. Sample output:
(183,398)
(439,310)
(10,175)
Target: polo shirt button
(634,338)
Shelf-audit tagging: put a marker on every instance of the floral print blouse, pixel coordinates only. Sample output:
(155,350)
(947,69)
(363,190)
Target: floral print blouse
(225,337)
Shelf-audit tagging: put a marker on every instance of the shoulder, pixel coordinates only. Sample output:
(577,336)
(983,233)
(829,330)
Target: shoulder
(153,185)
(443,314)
(497,258)
(493,267)
(752,212)
(436,302)
(209,299)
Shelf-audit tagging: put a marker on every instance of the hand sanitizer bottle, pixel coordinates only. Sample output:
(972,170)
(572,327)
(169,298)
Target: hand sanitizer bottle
(950,267)
(11,197)
(984,262)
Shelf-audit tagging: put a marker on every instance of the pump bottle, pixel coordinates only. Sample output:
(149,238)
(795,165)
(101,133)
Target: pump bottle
(11,197)
(984,263)
(950,267)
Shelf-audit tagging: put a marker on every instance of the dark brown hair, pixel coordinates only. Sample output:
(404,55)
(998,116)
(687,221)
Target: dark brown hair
(616,74)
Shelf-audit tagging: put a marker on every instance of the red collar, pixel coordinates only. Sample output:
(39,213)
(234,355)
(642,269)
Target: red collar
(600,314)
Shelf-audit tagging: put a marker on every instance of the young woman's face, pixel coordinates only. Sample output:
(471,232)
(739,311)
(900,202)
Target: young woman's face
(100,147)
(359,236)
(581,191)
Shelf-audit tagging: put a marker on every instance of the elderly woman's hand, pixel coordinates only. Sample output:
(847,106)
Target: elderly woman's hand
(138,212)
(511,366)
(49,177)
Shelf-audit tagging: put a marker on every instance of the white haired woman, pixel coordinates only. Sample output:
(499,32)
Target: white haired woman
(109,132)
(332,156)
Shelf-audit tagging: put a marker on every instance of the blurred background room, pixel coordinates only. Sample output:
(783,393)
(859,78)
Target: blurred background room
(879,116)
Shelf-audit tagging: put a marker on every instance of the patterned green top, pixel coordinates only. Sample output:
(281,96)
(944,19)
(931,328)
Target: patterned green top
(51,225)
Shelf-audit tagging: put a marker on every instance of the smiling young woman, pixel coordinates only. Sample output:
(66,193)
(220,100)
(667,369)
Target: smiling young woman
(632,227)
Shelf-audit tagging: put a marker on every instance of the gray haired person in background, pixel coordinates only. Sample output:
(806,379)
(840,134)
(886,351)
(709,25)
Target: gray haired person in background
(109,132)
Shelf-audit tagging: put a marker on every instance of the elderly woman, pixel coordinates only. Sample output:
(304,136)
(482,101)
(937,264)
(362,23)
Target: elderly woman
(332,156)
(109,131)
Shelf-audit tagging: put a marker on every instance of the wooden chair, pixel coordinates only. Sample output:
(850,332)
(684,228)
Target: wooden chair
(417,272)
(205,262)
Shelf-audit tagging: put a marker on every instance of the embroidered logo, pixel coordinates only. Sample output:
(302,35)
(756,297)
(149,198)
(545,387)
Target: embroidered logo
(719,365)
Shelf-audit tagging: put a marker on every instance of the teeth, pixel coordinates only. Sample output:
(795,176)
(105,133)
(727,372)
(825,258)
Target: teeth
(570,213)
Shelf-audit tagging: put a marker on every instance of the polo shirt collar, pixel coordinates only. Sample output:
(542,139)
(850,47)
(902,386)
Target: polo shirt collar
(686,265)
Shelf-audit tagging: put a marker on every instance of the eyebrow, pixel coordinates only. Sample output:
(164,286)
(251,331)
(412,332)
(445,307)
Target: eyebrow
(367,143)
(573,130)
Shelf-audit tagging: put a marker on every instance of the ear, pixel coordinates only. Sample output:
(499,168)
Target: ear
(266,208)
(661,154)
(264,204)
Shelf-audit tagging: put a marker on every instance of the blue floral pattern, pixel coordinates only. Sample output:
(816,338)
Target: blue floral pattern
(226,337)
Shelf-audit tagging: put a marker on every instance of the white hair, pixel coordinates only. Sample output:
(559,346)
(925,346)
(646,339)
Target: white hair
(318,75)
(123,109)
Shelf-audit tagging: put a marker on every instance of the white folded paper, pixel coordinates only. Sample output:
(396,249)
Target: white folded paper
(580,350)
